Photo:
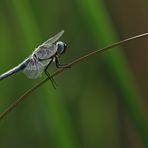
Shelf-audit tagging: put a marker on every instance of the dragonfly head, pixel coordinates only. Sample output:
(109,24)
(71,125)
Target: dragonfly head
(61,47)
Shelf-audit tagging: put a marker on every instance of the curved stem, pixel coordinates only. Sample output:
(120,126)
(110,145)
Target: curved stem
(31,90)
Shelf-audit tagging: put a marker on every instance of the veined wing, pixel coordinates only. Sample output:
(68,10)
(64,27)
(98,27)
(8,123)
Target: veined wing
(33,69)
(48,48)
(44,52)
(53,39)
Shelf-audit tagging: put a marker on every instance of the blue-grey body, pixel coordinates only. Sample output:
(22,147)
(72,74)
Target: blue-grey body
(16,69)
(35,64)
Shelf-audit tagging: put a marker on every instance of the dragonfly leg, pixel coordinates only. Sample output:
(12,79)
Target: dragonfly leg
(49,76)
(51,79)
(58,65)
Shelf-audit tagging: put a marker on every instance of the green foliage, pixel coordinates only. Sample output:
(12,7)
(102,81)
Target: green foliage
(102,29)
(85,109)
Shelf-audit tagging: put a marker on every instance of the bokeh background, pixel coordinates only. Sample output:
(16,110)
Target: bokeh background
(100,102)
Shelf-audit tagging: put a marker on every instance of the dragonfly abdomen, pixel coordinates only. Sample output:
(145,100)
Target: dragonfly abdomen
(14,70)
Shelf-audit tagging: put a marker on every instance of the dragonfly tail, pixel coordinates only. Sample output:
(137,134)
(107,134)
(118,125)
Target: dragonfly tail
(14,70)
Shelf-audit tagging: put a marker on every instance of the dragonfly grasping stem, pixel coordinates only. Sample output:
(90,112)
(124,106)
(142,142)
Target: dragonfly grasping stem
(82,58)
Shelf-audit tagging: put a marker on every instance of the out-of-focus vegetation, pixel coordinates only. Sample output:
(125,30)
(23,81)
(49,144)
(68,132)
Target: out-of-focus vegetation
(101,102)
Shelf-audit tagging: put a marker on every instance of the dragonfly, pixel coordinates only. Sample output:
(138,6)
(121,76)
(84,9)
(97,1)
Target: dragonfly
(40,59)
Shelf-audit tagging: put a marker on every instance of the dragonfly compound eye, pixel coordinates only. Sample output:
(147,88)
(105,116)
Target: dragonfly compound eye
(61,47)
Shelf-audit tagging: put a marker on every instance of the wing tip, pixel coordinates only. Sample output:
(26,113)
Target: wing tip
(62,31)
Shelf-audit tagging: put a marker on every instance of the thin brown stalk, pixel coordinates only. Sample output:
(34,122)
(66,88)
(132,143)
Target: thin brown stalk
(31,90)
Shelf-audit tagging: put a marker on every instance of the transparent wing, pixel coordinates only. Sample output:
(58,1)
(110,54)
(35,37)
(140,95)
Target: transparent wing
(44,52)
(33,69)
(54,38)
(48,48)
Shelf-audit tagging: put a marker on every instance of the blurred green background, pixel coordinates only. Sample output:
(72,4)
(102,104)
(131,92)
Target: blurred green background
(100,102)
